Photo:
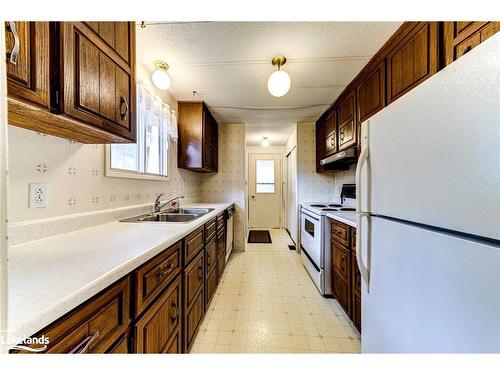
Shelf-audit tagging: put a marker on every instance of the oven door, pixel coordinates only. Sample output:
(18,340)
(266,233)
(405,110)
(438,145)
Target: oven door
(311,238)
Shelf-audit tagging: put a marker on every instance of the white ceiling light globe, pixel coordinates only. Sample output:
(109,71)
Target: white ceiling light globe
(278,83)
(265,142)
(161,79)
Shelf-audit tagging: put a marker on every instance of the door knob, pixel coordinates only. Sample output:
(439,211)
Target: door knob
(253,196)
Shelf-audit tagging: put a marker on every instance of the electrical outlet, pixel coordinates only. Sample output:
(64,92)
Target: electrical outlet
(39,195)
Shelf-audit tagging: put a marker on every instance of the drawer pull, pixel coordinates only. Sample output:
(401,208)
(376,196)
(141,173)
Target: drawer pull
(123,108)
(84,345)
(176,312)
(467,49)
(163,273)
(14,53)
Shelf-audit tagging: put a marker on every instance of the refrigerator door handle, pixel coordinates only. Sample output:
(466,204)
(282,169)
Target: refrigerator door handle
(363,157)
(363,270)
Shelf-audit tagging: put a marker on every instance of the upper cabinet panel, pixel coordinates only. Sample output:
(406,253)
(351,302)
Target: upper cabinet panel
(371,93)
(413,60)
(28,56)
(347,133)
(82,74)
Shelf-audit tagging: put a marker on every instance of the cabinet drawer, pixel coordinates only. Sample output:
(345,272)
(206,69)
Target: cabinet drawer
(340,232)
(193,279)
(160,323)
(211,255)
(194,242)
(341,261)
(193,318)
(155,275)
(341,291)
(468,44)
(212,282)
(220,221)
(94,326)
(210,229)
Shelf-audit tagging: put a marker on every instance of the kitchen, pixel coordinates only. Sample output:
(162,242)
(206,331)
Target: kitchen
(289,187)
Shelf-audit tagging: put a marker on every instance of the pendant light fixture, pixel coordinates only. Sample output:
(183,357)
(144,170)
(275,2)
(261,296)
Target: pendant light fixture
(279,81)
(264,142)
(160,77)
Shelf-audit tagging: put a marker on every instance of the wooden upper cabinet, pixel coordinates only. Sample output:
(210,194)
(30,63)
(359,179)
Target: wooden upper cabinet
(82,74)
(28,58)
(371,93)
(413,60)
(347,134)
(99,85)
(198,138)
(331,133)
(320,144)
(461,37)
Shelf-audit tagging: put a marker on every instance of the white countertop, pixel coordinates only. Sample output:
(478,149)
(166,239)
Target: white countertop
(49,277)
(348,217)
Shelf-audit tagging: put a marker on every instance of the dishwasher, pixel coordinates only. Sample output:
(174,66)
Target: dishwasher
(229,231)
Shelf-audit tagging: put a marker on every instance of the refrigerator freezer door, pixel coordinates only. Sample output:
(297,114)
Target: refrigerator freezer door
(429,292)
(434,154)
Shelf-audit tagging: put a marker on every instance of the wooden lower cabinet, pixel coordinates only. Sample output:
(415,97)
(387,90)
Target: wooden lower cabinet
(194,299)
(160,325)
(193,317)
(121,346)
(346,278)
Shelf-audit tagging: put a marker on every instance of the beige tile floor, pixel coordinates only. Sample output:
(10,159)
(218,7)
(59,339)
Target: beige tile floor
(266,303)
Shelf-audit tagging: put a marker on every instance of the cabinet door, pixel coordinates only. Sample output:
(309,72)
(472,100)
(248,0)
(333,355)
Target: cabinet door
(192,320)
(413,61)
(371,93)
(356,311)
(211,255)
(99,86)
(341,292)
(28,59)
(160,323)
(193,279)
(347,133)
(320,145)
(331,134)
(212,282)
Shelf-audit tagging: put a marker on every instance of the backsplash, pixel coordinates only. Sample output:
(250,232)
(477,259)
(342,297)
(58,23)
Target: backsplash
(312,186)
(75,175)
(228,185)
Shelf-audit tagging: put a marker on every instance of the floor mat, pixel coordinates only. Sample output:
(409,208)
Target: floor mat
(259,236)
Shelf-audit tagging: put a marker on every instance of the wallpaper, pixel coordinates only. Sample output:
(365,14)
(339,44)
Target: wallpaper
(229,183)
(313,187)
(75,175)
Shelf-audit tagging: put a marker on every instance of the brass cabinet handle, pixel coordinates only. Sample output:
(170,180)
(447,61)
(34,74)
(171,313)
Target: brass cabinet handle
(162,272)
(200,273)
(209,260)
(467,49)
(84,345)
(176,312)
(14,53)
(332,141)
(123,107)
(342,136)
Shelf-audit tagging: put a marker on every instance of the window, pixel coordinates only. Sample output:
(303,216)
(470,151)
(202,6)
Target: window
(264,171)
(148,158)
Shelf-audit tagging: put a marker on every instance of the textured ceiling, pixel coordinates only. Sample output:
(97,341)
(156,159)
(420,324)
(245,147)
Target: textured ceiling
(277,135)
(228,64)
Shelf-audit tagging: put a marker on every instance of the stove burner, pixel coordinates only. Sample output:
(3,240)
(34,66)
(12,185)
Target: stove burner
(347,209)
(330,209)
(334,205)
(318,205)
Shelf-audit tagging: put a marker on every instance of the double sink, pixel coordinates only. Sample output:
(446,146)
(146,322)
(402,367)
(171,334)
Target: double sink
(171,215)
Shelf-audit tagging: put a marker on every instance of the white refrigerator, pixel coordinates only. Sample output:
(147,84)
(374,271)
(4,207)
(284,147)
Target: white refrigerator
(428,181)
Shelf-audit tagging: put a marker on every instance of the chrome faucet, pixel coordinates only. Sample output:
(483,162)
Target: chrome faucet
(159,206)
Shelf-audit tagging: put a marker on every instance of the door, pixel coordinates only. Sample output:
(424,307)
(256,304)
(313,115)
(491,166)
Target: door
(429,291)
(265,191)
(291,203)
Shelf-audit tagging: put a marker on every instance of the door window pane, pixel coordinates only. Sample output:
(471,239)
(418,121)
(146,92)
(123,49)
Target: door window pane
(264,176)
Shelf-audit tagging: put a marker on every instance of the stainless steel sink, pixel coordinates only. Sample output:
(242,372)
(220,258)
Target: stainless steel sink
(177,215)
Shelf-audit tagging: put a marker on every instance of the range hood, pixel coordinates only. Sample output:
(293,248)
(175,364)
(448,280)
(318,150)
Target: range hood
(347,156)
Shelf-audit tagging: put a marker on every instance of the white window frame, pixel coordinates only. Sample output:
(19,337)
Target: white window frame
(125,173)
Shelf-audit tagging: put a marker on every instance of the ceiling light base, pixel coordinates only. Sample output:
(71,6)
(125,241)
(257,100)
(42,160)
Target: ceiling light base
(278,61)
(161,65)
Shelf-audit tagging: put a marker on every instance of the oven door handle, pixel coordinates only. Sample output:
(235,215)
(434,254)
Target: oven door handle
(309,216)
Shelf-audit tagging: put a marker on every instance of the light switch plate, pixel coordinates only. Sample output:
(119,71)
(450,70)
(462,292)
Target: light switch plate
(39,195)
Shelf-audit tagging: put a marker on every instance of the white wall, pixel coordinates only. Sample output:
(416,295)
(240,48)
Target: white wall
(228,184)
(75,174)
